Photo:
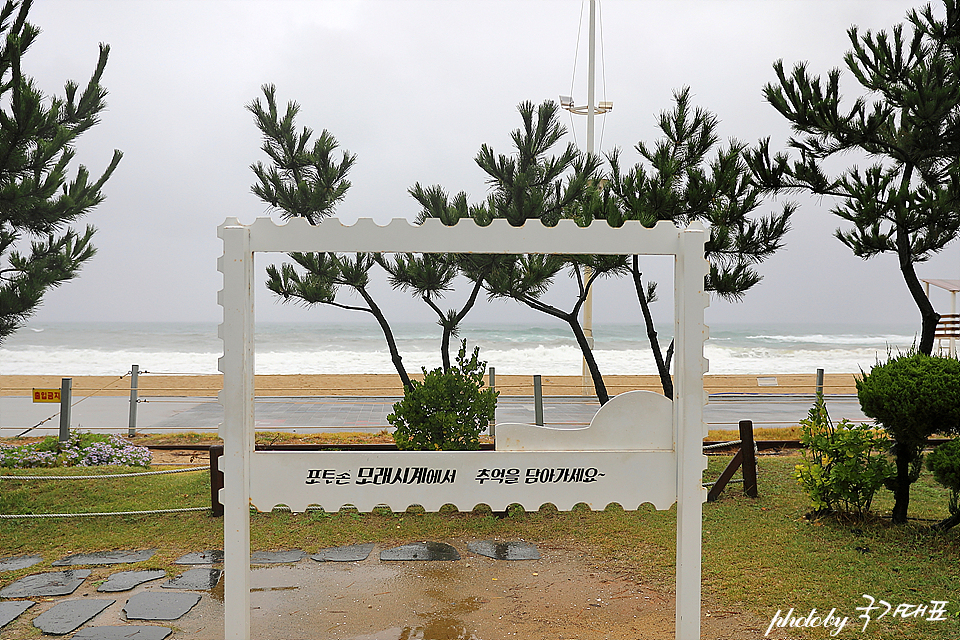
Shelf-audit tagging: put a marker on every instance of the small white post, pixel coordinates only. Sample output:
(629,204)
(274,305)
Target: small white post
(66,385)
(538,400)
(492,427)
(132,422)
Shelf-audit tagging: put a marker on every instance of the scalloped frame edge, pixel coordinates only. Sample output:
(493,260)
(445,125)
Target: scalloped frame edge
(241,242)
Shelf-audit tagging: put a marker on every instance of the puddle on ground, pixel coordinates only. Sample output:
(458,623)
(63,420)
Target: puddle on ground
(212,556)
(195,580)
(127,580)
(126,632)
(19,562)
(105,557)
(66,616)
(505,550)
(9,611)
(153,605)
(42,585)
(478,598)
(438,628)
(429,551)
(350,553)
(562,595)
(277,557)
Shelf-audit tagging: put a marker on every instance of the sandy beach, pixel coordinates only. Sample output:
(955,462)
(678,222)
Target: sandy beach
(300,385)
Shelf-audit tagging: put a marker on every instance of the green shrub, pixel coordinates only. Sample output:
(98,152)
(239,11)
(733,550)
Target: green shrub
(448,410)
(912,396)
(944,462)
(843,465)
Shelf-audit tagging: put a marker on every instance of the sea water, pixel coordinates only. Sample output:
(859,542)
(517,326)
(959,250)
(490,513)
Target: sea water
(75,349)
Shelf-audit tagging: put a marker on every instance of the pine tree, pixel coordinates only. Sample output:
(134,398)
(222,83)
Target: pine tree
(38,202)
(684,185)
(309,182)
(430,276)
(529,185)
(907,202)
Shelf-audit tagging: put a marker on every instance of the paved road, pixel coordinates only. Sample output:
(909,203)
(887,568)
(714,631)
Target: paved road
(306,415)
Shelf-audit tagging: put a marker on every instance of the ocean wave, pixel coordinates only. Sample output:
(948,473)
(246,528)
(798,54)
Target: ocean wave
(834,339)
(67,350)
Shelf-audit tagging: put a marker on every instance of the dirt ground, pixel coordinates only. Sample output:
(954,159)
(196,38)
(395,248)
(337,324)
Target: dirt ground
(562,596)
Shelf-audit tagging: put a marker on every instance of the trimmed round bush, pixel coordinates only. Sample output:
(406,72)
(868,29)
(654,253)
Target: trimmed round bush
(448,410)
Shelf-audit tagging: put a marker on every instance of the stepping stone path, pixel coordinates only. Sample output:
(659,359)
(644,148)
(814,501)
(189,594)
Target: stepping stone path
(277,557)
(66,616)
(41,585)
(18,562)
(421,551)
(129,632)
(126,580)
(195,580)
(105,557)
(351,553)
(160,606)
(505,550)
(213,556)
(10,610)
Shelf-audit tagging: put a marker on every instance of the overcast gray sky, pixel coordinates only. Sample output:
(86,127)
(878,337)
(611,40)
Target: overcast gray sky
(414,89)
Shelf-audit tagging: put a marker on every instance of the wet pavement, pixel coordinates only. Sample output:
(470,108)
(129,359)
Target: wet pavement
(306,415)
(160,606)
(212,556)
(350,553)
(9,611)
(428,551)
(276,557)
(127,580)
(18,562)
(125,632)
(505,550)
(45,585)
(105,557)
(69,615)
(195,580)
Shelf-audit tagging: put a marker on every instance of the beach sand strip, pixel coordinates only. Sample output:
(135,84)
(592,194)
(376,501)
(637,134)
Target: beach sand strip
(388,385)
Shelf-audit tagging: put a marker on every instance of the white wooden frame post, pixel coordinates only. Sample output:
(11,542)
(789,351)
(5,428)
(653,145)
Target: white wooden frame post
(657,473)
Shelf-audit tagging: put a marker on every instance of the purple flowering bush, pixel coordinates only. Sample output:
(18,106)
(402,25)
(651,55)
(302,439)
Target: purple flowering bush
(81,450)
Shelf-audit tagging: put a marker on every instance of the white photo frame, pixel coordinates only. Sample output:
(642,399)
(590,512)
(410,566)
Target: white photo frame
(663,466)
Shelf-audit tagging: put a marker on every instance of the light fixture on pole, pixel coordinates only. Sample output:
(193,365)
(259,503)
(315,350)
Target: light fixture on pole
(591,109)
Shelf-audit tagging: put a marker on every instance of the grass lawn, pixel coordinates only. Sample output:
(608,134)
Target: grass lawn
(759,555)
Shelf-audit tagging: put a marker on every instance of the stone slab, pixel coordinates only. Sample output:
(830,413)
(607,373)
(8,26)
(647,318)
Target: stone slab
(213,556)
(18,562)
(505,550)
(277,557)
(157,605)
(127,632)
(9,611)
(349,553)
(421,551)
(126,580)
(41,585)
(105,557)
(66,616)
(195,580)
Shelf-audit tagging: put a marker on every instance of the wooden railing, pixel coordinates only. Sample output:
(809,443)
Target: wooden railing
(948,327)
